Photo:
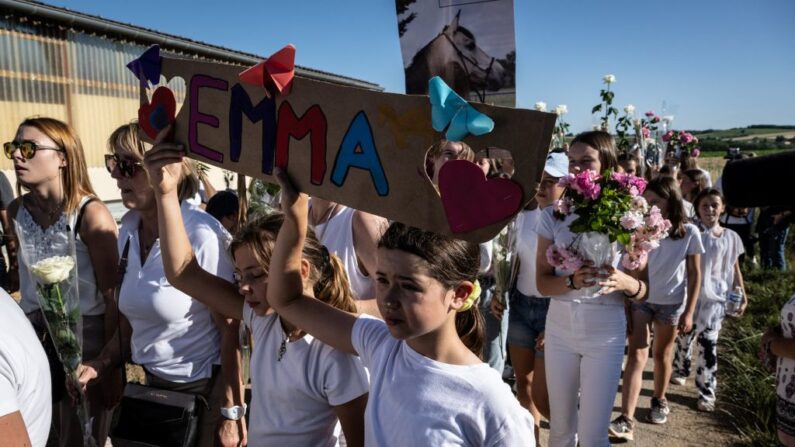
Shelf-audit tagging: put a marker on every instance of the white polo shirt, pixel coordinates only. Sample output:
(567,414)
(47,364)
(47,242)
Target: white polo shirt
(173,336)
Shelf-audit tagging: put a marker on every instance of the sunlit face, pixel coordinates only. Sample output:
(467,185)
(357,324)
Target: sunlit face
(45,165)
(654,200)
(583,157)
(629,166)
(548,190)
(451,150)
(411,302)
(709,210)
(136,192)
(252,280)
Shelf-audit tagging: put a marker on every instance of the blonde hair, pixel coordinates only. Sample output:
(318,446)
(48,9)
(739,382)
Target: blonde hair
(126,138)
(327,275)
(435,150)
(75,181)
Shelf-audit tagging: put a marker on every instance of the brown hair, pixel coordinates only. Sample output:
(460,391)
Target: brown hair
(126,138)
(668,190)
(686,162)
(698,177)
(75,181)
(604,143)
(449,261)
(436,150)
(703,194)
(327,275)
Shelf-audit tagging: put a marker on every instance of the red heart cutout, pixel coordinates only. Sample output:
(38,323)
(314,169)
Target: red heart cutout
(159,113)
(471,201)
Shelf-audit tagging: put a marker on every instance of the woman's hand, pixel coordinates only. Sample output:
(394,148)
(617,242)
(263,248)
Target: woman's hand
(163,163)
(232,433)
(497,308)
(88,372)
(294,204)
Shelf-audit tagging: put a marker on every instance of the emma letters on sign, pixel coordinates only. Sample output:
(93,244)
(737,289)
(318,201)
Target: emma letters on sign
(357,147)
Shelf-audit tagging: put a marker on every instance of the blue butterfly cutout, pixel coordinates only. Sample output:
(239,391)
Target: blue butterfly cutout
(450,111)
(147,66)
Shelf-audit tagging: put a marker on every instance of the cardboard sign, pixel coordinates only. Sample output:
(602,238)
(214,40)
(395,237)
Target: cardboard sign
(360,148)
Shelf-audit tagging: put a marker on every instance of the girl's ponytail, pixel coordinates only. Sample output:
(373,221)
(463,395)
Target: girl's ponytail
(471,329)
(332,286)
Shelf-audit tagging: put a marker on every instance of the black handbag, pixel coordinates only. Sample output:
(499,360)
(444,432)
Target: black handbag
(155,417)
(149,416)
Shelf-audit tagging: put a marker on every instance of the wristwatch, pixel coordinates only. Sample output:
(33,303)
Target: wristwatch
(570,282)
(234,413)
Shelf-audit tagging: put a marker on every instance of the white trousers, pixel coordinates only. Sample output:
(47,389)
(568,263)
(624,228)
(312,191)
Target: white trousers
(583,350)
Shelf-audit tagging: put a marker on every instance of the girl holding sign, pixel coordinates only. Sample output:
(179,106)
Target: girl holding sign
(303,389)
(432,389)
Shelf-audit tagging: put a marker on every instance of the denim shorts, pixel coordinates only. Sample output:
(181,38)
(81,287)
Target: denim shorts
(664,313)
(527,320)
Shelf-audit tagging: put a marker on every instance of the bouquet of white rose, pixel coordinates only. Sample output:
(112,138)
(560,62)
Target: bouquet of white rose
(52,266)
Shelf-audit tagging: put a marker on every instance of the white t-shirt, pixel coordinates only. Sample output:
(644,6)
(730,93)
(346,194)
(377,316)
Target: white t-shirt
(24,372)
(717,263)
(690,211)
(668,267)
(173,336)
(526,248)
(416,401)
(294,398)
(553,229)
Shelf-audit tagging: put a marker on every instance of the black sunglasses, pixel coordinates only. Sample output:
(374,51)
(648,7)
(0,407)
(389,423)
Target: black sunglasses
(26,148)
(127,168)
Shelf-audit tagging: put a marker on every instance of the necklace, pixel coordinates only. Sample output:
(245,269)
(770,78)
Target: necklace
(285,340)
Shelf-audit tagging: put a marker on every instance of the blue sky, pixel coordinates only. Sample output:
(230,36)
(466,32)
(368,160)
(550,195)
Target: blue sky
(714,63)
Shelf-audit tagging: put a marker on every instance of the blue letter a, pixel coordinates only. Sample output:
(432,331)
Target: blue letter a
(359,135)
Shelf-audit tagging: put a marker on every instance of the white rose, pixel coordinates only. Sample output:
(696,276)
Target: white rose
(562,109)
(609,78)
(53,270)
(629,109)
(541,106)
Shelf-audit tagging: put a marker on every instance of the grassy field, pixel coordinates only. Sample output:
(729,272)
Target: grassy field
(767,132)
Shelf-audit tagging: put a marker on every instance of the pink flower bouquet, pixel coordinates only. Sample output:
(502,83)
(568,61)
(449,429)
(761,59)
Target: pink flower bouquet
(609,208)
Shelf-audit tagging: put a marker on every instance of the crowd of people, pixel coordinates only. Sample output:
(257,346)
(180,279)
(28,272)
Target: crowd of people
(364,331)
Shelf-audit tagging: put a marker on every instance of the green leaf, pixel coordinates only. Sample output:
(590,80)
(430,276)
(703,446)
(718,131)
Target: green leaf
(596,108)
(623,238)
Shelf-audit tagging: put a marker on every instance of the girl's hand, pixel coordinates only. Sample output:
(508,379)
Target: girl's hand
(613,280)
(743,306)
(685,323)
(585,276)
(87,372)
(163,163)
(294,204)
(540,342)
(497,308)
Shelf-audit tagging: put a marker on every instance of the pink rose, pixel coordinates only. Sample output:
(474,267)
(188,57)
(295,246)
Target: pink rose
(668,135)
(649,114)
(695,153)
(631,220)
(645,132)
(655,120)
(586,184)
(685,137)
(563,206)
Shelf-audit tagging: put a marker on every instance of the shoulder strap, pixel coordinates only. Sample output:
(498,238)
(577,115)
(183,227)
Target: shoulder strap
(85,202)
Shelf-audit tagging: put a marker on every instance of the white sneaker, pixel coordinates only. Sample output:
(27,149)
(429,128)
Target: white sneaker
(678,380)
(706,406)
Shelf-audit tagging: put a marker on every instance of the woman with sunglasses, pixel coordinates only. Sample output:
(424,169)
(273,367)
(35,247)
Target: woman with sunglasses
(178,341)
(58,199)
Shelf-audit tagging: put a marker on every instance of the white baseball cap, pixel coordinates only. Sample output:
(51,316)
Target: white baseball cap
(557,164)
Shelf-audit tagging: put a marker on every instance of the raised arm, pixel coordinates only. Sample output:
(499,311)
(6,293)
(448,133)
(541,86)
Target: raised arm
(163,163)
(286,291)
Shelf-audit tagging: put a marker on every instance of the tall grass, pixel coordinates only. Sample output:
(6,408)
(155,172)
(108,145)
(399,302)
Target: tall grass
(746,391)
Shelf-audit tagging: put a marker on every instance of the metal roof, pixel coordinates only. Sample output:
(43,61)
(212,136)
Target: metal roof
(144,36)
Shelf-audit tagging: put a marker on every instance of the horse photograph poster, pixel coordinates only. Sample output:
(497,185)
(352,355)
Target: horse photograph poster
(469,44)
